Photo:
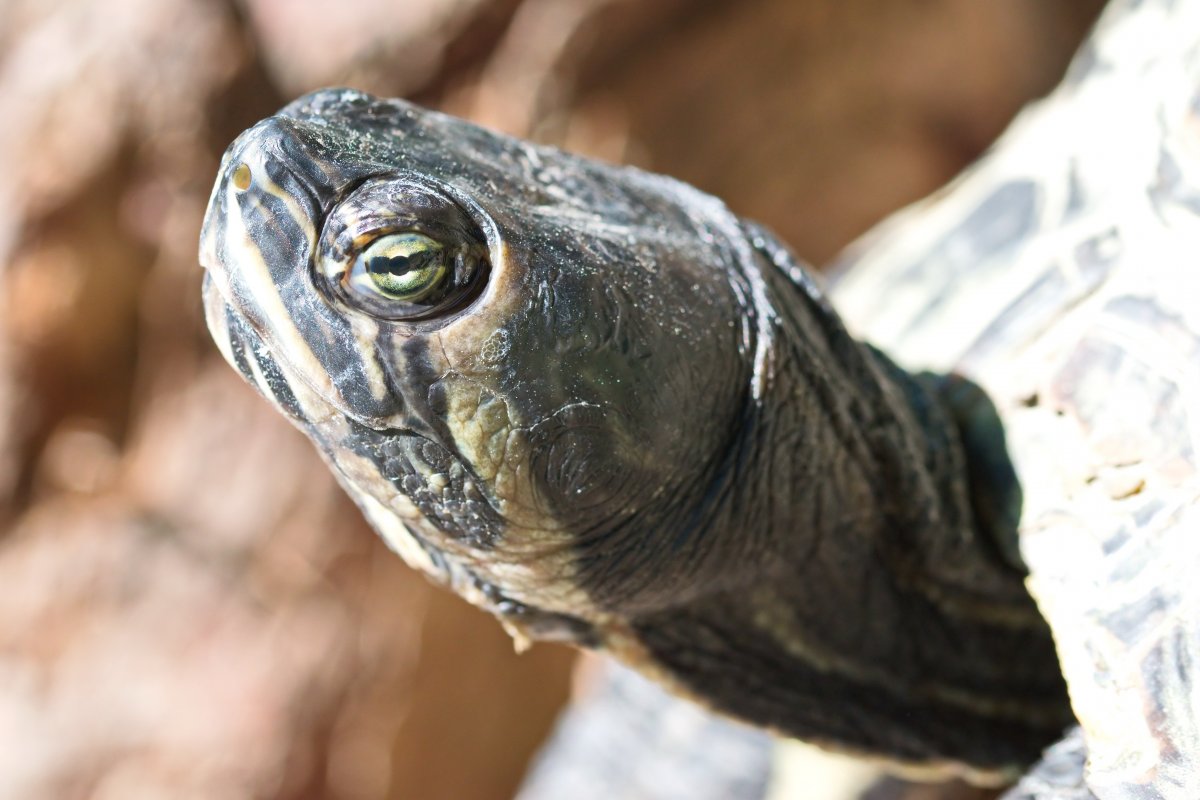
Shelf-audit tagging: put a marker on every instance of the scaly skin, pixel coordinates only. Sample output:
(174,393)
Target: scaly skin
(642,430)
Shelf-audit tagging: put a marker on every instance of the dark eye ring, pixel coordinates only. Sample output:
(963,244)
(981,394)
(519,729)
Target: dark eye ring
(396,249)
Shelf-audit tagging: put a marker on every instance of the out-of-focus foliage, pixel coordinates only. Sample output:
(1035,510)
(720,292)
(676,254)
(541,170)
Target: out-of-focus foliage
(188,605)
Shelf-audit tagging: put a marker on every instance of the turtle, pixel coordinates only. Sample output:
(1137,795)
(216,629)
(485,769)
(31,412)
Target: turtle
(939,526)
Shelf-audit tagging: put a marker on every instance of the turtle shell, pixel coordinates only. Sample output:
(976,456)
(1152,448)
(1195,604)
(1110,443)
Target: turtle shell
(1060,273)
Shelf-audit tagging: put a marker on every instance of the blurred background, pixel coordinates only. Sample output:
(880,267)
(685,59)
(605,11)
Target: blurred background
(188,607)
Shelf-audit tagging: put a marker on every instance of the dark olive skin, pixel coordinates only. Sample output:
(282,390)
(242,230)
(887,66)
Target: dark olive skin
(621,416)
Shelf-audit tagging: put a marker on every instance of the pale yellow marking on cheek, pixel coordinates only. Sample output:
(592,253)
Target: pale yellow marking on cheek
(462,420)
(511,483)
(481,429)
(523,565)
(494,426)
(366,334)
(498,451)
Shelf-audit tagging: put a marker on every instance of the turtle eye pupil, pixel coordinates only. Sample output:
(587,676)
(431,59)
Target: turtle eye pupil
(406,267)
(403,264)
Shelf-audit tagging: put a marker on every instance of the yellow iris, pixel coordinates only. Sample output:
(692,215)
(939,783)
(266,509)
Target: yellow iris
(409,267)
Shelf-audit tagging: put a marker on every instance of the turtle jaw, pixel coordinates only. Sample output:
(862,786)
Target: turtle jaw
(255,364)
(418,496)
(418,484)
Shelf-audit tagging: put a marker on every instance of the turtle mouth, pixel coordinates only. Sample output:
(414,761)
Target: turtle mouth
(244,349)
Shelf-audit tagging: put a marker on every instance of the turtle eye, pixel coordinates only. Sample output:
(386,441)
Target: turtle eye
(400,251)
(406,267)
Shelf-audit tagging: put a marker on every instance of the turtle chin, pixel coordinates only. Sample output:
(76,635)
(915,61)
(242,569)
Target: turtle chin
(433,508)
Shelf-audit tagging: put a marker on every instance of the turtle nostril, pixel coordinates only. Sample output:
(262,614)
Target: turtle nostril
(242,177)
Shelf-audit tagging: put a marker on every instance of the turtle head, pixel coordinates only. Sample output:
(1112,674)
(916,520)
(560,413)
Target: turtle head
(524,366)
(595,403)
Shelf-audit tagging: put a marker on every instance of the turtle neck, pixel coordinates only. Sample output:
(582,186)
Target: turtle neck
(864,598)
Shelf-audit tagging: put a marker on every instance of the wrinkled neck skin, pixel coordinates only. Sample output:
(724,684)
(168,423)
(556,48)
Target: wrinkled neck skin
(852,586)
(864,447)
